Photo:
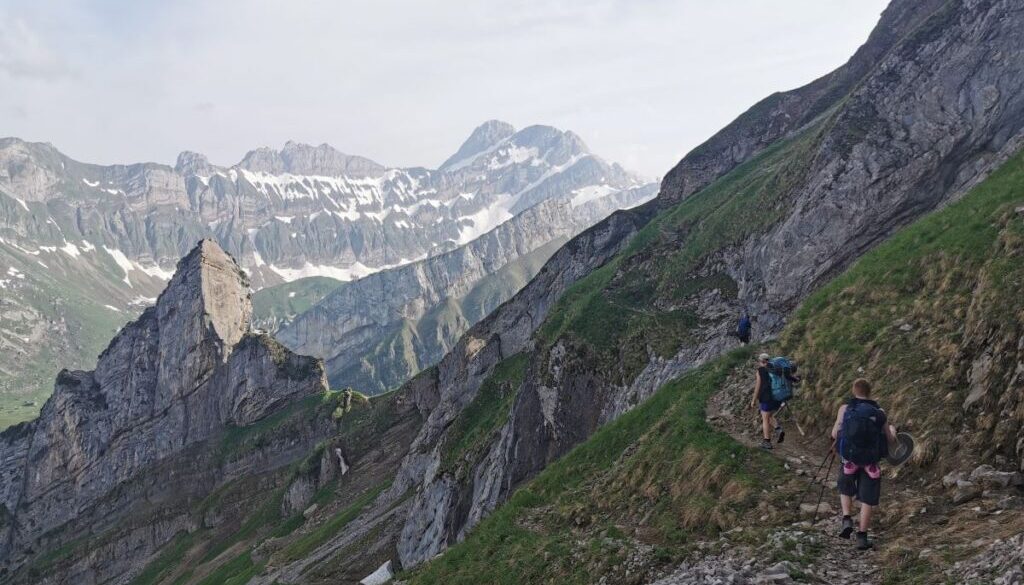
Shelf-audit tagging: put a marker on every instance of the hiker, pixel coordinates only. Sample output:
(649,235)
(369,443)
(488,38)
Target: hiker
(743,329)
(767,405)
(862,436)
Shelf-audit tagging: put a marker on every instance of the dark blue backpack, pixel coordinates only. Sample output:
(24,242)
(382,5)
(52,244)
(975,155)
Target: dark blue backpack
(780,370)
(743,329)
(862,434)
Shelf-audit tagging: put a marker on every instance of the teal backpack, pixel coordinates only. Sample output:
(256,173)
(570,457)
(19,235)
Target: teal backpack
(780,370)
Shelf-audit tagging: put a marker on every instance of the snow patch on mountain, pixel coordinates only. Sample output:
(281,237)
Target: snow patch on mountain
(591,193)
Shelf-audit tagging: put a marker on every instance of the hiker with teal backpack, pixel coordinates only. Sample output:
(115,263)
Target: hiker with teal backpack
(773,386)
(862,436)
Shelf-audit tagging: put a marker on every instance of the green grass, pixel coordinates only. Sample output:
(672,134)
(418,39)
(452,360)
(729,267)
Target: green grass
(308,542)
(503,284)
(283,302)
(237,439)
(660,461)
(643,300)
(166,562)
(474,428)
(954,278)
(267,514)
(237,571)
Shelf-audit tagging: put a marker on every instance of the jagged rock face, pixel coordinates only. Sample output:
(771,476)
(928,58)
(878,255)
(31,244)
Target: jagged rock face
(184,371)
(86,247)
(935,109)
(418,312)
(781,114)
(303,159)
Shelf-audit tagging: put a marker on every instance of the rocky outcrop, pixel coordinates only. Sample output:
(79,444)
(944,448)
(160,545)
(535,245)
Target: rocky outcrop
(928,107)
(185,371)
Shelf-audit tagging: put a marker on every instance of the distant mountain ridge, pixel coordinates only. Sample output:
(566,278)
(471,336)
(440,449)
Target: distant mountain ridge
(83,247)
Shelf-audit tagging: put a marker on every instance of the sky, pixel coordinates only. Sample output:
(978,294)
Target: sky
(403,83)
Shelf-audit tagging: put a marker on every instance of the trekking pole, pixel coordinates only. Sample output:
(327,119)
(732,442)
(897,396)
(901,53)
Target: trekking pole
(817,507)
(814,478)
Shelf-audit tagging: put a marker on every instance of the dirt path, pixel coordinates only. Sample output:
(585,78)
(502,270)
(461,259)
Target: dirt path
(921,527)
(828,559)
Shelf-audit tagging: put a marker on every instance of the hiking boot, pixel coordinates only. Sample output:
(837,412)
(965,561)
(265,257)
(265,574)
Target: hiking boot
(766,444)
(846,528)
(780,435)
(862,541)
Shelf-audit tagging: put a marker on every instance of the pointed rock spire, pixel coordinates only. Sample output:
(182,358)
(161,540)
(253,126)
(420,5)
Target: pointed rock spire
(209,286)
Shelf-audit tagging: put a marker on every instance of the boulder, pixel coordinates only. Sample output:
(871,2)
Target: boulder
(952,478)
(989,476)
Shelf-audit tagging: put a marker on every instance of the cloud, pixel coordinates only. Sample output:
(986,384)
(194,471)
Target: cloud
(23,54)
(404,82)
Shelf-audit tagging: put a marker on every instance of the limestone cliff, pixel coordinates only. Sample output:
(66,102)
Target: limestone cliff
(186,370)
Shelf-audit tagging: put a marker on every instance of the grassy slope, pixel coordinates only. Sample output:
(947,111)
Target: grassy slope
(659,474)
(415,345)
(473,430)
(272,305)
(224,555)
(914,313)
(81,327)
(953,277)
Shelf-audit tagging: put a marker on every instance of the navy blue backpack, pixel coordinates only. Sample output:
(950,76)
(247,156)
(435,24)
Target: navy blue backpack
(743,328)
(862,435)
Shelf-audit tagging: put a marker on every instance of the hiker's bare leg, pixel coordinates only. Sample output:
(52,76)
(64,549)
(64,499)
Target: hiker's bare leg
(846,503)
(865,517)
(766,425)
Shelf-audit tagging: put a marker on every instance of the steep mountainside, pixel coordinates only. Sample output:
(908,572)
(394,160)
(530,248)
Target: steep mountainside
(541,441)
(931,315)
(85,247)
(938,111)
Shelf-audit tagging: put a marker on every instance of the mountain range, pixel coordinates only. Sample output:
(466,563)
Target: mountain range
(86,247)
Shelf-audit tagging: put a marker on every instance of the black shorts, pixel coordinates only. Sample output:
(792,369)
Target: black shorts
(861,486)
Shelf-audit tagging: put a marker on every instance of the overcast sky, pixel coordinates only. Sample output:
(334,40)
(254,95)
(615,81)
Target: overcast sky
(404,83)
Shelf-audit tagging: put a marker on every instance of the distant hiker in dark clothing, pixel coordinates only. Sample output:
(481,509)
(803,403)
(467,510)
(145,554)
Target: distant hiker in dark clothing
(862,436)
(743,329)
(767,405)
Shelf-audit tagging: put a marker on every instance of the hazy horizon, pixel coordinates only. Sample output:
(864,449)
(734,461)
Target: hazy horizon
(641,82)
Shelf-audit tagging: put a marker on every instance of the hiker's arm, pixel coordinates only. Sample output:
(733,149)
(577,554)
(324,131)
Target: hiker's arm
(757,386)
(838,423)
(890,431)
(890,434)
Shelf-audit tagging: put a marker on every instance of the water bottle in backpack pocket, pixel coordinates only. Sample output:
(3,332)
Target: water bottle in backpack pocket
(780,372)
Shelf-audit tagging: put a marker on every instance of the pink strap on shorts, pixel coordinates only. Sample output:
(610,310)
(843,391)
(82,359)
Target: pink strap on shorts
(851,468)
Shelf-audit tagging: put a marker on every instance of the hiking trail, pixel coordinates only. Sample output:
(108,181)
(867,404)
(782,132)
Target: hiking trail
(914,516)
